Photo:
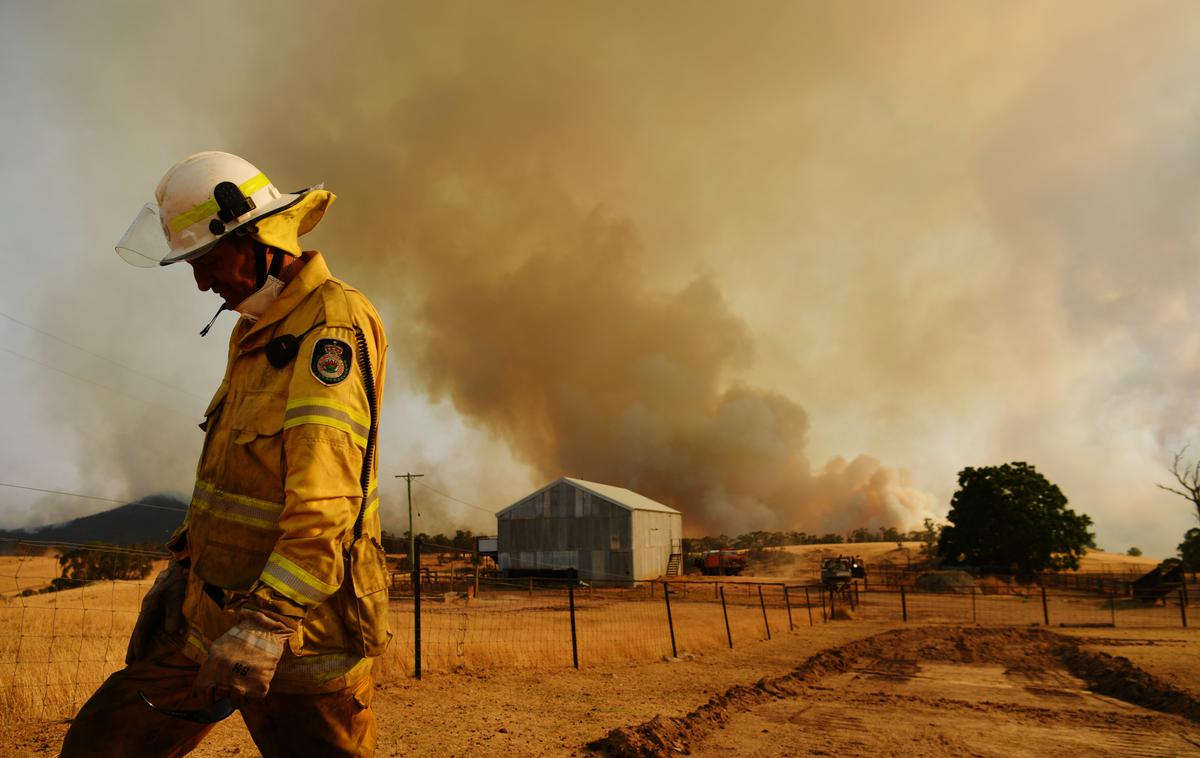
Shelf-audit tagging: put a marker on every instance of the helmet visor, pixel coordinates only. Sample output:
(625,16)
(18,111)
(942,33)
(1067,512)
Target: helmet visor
(144,244)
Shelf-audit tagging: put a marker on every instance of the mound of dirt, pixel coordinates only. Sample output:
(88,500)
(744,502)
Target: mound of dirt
(993,585)
(946,581)
(1016,649)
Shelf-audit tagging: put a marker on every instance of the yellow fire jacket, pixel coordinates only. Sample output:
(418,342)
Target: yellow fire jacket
(278,487)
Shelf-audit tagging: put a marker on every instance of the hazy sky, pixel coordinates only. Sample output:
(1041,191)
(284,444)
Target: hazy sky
(781,265)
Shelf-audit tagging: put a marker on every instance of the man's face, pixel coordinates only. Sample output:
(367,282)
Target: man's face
(228,270)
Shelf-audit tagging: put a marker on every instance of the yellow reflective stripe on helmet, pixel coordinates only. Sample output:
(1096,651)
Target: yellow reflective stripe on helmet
(326,412)
(293,582)
(210,207)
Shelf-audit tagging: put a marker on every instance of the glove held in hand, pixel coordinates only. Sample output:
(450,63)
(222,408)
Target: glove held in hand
(241,662)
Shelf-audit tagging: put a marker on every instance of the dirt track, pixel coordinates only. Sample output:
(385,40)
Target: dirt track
(937,691)
(945,696)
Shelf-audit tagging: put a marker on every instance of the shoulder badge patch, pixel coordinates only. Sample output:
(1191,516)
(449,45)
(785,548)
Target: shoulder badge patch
(330,362)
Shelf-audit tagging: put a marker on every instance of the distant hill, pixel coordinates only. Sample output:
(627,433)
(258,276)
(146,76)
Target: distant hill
(150,520)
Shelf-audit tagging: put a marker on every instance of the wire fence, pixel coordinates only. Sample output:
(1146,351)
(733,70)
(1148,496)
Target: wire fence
(61,637)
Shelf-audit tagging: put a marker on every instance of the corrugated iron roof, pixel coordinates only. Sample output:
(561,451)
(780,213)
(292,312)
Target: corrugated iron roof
(618,495)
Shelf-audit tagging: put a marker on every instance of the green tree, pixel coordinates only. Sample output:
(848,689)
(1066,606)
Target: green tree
(1189,550)
(1134,551)
(929,538)
(1013,517)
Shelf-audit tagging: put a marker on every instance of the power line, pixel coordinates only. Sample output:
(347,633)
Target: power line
(93,497)
(104,358)
(96,384)
(90,546)
(488,511)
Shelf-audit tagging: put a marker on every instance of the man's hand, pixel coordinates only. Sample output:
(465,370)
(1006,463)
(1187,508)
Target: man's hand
(242,661)
(162,611)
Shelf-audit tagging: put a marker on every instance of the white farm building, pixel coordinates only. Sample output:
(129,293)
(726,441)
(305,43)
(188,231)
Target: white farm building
(608,533)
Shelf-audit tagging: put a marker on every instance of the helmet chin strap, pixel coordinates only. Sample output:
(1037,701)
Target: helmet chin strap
(260,264)
(213,320)
(261,272)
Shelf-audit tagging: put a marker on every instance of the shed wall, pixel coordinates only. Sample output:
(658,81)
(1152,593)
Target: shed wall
(565,527)
(654,533)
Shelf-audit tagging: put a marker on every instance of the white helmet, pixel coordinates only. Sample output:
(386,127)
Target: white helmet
(202,198)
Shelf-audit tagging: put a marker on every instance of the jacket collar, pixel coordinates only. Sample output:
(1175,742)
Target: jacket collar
(312,275)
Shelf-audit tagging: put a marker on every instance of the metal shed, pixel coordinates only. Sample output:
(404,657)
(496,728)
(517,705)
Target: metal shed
(608,533)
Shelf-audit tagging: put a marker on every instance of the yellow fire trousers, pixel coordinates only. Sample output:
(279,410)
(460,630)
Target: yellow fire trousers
(115,722)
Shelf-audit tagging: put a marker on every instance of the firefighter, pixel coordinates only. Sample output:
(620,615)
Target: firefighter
(275,598)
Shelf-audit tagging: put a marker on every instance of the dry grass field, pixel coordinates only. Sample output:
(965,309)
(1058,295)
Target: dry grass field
(886,699)
(484,657)
(20,573)
(809,557)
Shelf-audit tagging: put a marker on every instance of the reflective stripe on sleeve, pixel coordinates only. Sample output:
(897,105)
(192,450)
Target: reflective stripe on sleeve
(196,638)
(210,206)
(319,668)
(326,412)
(372,501)
(293,582)
(237,508)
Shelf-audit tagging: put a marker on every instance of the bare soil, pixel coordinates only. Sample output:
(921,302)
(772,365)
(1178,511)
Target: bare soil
(937,691)
(544,711)
(848,688)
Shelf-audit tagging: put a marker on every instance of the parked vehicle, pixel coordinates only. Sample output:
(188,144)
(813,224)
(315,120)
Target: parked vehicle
(839,571)
(724,562)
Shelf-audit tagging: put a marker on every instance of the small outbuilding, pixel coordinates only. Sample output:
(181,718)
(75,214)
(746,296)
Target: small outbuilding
(607,533)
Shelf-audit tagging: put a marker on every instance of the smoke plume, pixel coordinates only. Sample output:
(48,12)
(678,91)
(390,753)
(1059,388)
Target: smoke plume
(714,253)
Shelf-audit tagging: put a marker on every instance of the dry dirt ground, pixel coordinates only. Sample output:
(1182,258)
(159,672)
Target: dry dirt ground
(947,691)
(847,689)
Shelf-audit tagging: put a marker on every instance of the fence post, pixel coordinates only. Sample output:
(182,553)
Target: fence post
(808,605)
(725,612)
(974,615)
(787,601)
(572,574)
(1183,608)
(670,621)
(476,580)
(821,594)
(416,582)
(903,605)
(763,604)
(1045,607)
(1112,606)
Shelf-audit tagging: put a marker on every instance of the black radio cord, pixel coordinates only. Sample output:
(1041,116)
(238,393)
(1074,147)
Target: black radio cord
(364,363)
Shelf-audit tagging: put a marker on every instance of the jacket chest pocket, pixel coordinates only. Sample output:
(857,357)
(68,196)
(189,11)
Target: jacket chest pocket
(254,462)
